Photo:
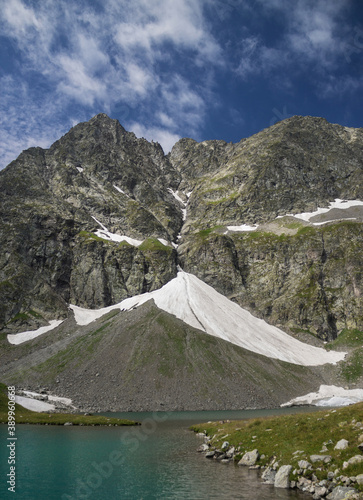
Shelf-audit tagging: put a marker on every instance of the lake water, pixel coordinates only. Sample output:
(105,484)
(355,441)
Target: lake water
(157,460)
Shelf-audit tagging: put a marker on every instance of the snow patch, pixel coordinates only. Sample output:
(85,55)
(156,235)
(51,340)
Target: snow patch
(56,399)
(242,228)
(177,197)
(337,203)
(307,216)
(164,242)
(19,338)
(105,234)
(120,190)
(33,404)
(183,203)
(328,395)
(199,305)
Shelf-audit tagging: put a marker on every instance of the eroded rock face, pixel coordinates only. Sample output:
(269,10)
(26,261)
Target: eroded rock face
(52,203)
(301,277)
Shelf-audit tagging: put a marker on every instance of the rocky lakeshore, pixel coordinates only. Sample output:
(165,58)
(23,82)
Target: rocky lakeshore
(327,468)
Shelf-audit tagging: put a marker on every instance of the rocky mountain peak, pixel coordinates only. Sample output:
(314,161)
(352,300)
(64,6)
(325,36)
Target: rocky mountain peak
(103,215)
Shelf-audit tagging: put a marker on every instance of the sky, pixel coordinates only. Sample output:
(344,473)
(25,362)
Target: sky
(166,69)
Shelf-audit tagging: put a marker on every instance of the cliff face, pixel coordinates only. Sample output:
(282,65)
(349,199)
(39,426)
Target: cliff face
(53,202)
(102,215)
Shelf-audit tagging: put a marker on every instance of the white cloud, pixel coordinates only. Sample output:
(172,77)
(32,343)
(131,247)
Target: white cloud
(104,57)
(19,17)
(161,135)
(313,35)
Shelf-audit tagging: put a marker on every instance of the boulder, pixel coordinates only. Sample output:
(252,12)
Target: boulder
(359,479)
(357,459)
(225,445)
(340,493)
(321,491)
(341,445)
(320,458)
(268,476)
(304,484)
(304,464)
(282,477)
(249,458)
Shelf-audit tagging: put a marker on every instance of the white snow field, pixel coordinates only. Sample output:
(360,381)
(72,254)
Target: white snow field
(33,404)
(328,395)
(19,338)
(308,216)
(199,305)
(337,203)
(105,234)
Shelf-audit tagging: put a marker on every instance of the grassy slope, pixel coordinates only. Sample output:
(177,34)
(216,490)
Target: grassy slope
(25,416)
(281,436)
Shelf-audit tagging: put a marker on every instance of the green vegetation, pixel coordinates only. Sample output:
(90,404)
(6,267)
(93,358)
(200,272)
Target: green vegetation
(25,416)
(280,437)
(348,338)
(352,339)
(154,245)
(90,236)
(352,369)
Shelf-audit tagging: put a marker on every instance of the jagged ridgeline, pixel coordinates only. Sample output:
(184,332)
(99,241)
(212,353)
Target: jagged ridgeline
(102,215)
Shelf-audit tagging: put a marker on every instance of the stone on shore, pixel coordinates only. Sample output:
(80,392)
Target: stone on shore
(282,477)
(268,476)
(249,458)
(340,493)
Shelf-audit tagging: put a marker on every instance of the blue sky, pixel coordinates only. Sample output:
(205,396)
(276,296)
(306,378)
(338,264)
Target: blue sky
(166,69)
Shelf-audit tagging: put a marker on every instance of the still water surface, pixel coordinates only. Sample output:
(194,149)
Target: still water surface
(157,460)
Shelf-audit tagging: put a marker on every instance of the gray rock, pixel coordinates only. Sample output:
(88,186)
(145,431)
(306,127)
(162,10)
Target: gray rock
(359,479)
(357,459)
(339,493)
(304,464)
(320,458)
(321,491)
(268,476)
(341,445)
(203,447)
(282,477)
(210,454)
(225,445)
(304,484)
(249,458)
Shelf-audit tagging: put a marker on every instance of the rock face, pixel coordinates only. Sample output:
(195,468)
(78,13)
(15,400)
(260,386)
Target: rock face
(66,214)
(98,176)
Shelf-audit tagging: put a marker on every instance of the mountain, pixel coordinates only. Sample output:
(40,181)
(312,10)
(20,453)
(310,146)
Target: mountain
(272,225)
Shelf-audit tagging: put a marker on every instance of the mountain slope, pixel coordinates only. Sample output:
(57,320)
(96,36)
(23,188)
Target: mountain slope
(147,359)
(200,306)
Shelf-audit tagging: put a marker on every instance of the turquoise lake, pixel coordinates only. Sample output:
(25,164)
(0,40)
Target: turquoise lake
(157,460)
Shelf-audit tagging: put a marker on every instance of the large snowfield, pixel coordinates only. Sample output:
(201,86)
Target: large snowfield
(199,305)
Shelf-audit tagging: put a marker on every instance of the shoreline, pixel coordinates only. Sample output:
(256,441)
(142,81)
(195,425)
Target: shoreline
(320,453)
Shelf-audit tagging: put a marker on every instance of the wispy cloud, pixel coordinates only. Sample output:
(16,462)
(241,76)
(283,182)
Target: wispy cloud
(313,37)
(103,56)
(160,66)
